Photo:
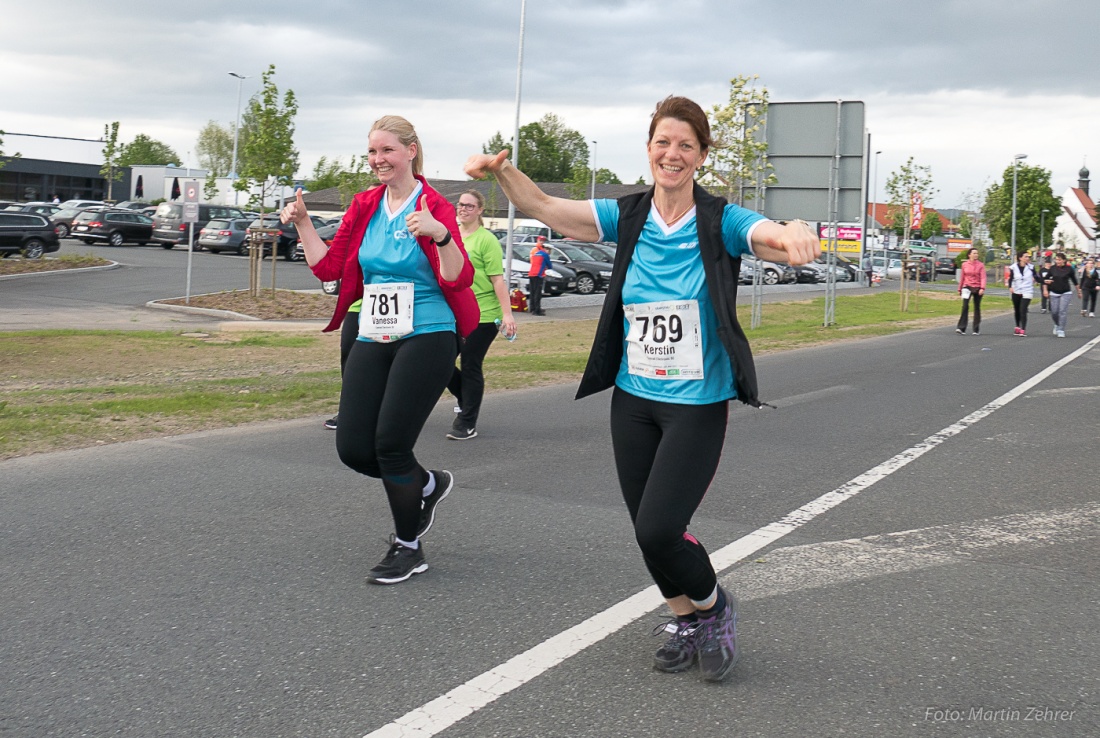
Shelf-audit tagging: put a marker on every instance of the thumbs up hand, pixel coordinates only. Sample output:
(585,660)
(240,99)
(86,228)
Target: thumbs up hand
(421,222)
(479,166)
(294,212)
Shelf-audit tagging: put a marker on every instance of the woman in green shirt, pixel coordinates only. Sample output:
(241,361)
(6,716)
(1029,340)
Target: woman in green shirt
(468,383)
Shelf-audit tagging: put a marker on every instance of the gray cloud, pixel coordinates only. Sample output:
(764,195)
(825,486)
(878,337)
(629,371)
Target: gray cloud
(164,68)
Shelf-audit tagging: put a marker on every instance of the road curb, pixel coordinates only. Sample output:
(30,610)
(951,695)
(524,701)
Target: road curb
(239,322)
(112,265)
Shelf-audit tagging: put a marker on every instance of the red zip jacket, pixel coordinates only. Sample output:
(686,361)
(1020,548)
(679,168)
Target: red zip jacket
(342,260)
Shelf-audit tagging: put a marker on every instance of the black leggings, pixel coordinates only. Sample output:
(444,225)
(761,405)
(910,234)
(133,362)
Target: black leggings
(468,383)
(1088,299)
(1019,308)
(388,392)
(977,298)
(666,456)
(349,334)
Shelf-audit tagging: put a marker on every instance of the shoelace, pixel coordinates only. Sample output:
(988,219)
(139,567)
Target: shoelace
(679,629)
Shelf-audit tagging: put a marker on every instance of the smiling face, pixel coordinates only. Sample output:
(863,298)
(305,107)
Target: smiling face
(675,154)
(388,158)
(468,210)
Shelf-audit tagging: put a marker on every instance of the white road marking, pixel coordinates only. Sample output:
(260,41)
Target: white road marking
(464,700)
(818,565)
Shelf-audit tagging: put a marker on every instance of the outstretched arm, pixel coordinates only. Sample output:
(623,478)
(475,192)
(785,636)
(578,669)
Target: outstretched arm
(572,218)
(793,243)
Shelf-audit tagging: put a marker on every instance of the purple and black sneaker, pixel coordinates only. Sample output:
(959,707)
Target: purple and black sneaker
(716,639)
(678,652)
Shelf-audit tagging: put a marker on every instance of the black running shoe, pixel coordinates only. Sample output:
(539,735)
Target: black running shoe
(443,483)
(716,638)
(399,563)
(462,434)
(331,422)
(678,652)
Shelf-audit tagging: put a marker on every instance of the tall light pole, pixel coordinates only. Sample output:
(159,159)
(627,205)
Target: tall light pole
(1042,232)
(509,240)
(874,195)
(593,169)
(1015,168)
(236,134)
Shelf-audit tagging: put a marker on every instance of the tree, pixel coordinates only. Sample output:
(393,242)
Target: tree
(326,174)
(1033,195)
(215,148)
(210,186)
(548,150)
(356,178)
(268,158)
(910,179)
(738,163)
(16,155)
(964,225)
(579,183)
(641,181)
(110,156)
(145,150)
(931,225)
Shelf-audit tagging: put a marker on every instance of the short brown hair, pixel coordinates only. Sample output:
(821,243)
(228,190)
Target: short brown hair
(688,111)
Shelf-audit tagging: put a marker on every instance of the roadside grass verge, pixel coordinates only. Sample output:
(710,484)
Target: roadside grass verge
(64,389)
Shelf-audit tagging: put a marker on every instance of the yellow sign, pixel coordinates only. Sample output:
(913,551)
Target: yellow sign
(842,247)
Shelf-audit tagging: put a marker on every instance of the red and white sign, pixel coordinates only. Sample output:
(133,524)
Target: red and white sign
(843,232)
(918,210)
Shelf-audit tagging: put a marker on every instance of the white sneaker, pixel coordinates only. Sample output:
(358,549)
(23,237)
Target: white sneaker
(1092,315)
(1056,330)
(1061,334)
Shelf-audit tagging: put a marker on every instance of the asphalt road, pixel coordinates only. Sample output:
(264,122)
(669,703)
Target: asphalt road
(912,533)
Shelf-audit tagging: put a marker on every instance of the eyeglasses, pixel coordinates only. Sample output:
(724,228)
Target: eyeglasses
(467,206)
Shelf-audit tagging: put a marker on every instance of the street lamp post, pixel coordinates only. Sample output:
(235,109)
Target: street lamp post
(1042,232)
(236,134)
(593,169)
(874,211)
(1015,168)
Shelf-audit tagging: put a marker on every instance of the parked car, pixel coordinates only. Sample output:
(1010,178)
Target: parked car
(169,228)
(81,204)
(326,232)
(225,234)
(592,274)
(63,219)
(42,208)
(287,246)
(29,233)
(771,273)
(812,273)
(116,227)
(132,205)
(843,270)
(598,251)
(945,265)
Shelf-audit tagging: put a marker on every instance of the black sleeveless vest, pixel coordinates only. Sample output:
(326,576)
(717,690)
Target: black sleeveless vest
(721,271)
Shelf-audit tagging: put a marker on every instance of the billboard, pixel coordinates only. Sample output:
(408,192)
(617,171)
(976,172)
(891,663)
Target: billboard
(818,153)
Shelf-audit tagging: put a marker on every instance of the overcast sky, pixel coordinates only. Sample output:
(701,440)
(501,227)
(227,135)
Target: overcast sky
(960,85)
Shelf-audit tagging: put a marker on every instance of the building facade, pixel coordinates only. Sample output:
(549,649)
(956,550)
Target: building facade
(30,180)
(1075,227)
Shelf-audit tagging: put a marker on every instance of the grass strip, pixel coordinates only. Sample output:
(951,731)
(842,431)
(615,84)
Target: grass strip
(68,388)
